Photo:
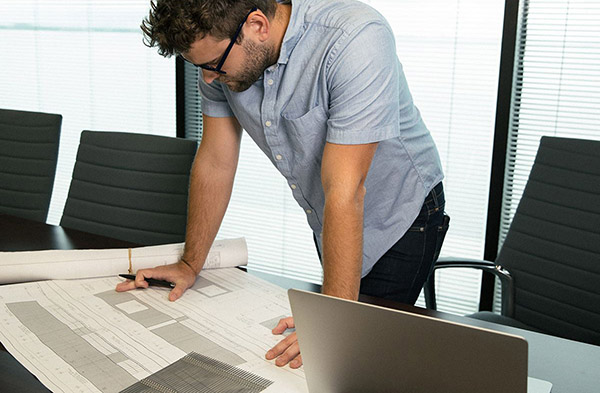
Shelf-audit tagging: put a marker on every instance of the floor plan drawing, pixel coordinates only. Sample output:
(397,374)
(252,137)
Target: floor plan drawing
(201,374)
(83,336)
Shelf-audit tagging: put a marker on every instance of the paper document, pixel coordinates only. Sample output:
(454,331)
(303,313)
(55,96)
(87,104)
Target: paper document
(23,266)
(201,374)
(83,336)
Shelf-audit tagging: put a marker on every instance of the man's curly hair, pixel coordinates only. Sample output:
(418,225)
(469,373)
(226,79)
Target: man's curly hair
(173,25)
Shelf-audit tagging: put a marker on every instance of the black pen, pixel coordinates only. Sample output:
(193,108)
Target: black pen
(150,281)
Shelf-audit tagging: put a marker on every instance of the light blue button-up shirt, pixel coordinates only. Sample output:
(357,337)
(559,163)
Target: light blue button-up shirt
(338,80)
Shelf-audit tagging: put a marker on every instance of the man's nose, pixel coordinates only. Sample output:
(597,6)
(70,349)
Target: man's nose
(209,76)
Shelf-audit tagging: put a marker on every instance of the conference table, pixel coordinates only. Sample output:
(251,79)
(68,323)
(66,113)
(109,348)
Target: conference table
(571,366)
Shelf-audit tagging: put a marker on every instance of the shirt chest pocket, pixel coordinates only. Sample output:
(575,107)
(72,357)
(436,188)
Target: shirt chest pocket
(306,134)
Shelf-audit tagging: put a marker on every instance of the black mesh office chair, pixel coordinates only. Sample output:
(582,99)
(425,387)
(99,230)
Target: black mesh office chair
(549,264)
(129,186)
(28,153)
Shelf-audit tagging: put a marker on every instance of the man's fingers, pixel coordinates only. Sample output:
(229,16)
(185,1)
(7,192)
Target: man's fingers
(281,346)
(297,362)
(140,277)
(290,354)
(283,325)
(176,292)
(172,273)
(285,351)
(125,286)
(129,285)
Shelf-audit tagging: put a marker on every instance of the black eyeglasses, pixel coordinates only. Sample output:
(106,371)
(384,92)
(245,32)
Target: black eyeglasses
(218,69)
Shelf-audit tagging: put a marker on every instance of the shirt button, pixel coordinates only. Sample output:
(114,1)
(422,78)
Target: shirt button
(308,211)
(268,123)
(293,186)
(278,157)
(270,82)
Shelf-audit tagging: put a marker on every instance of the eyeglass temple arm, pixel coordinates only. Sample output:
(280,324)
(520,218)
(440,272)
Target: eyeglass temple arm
(233,39)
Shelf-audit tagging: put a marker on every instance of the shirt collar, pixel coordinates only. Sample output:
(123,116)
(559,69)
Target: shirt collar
(294,30)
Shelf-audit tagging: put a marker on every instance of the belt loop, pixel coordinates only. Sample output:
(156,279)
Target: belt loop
(435,196)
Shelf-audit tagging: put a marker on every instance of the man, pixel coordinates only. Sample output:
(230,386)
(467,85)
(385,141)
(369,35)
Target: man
(319,88)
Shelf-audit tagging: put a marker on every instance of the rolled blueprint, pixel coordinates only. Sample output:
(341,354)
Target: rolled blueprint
(22,266)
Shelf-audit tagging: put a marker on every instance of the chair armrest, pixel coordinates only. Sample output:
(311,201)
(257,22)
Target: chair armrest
(503,275)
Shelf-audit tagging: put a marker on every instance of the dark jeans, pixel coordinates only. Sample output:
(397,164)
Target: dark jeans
(402,271)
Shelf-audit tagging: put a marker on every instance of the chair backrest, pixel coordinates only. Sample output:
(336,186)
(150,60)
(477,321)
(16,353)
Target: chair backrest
(28,153)
(552,248)
(130,186)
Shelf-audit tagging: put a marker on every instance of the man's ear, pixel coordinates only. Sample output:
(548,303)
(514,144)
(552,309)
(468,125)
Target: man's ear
(258,25)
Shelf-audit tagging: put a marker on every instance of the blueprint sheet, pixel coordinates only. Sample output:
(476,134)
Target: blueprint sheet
(23,266)
(82,336)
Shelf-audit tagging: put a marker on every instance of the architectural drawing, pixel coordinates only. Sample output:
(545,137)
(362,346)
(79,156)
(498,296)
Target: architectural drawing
(82,336)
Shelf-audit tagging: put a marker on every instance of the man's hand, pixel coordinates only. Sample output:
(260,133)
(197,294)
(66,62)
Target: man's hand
(287,350)
(178,273)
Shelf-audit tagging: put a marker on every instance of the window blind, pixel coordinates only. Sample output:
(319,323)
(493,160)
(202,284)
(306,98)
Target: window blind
(84,60)
(450,51)
(192,103)
(556,89)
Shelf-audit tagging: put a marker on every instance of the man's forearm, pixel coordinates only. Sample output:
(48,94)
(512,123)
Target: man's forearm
(210,191)
(343,246)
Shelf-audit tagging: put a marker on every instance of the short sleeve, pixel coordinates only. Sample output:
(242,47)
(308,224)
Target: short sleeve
(214,101)
(363,81)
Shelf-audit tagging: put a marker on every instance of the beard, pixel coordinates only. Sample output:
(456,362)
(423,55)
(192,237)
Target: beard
(258,58)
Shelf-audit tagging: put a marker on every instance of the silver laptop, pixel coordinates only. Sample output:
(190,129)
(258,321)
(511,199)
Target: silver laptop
(355,347)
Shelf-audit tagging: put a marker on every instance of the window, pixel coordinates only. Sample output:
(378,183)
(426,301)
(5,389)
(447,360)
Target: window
(84,60)
(450,51)
(556,89)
